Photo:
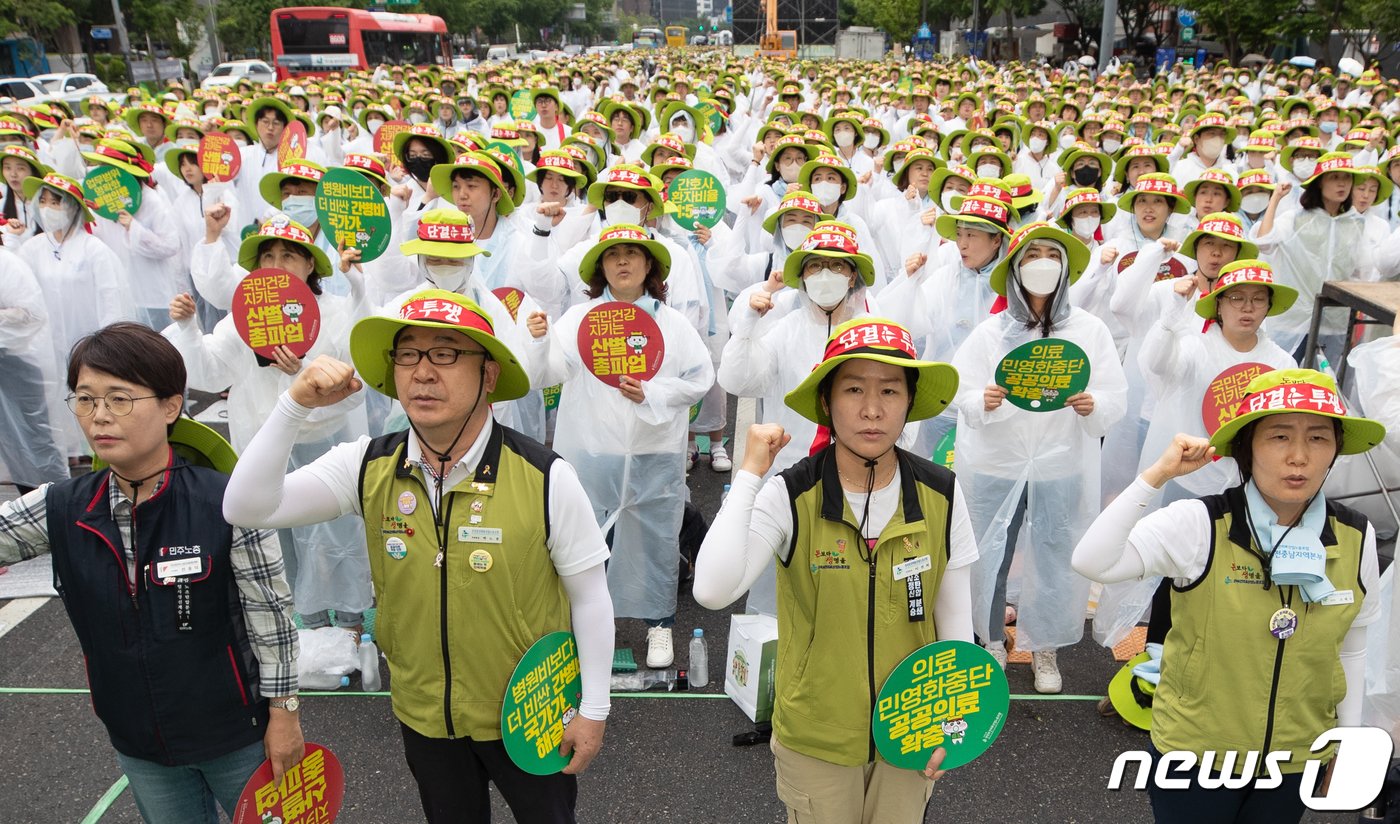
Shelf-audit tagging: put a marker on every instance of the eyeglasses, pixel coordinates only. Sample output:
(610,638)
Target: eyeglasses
(118,403)
(1239,301)
(437,356)
(625,195)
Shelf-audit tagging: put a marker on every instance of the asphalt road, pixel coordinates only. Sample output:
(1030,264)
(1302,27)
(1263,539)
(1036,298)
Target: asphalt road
(666,756)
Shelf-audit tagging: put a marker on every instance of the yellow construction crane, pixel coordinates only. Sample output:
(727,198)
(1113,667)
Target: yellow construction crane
(776,43)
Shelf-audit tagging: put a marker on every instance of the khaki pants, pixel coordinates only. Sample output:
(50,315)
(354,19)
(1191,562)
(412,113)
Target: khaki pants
(819,792)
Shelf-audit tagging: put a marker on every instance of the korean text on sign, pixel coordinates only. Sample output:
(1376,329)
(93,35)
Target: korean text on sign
(301,793)
(1045,373)
(614,350)
(268,322)
(940,691)
(541,701)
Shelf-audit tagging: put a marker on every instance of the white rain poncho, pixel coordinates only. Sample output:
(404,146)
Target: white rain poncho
(631,457)
(332,570)
(1308,247)
(84,287)
(31,407)
(1050,457)
(149,250)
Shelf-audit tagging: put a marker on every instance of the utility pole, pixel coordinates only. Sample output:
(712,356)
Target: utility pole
(1106,35)
(123,45)
(211,30)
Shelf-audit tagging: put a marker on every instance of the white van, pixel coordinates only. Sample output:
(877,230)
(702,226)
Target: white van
(499,54)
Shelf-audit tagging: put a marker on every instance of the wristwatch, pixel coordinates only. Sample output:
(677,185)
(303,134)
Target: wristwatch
(291,704)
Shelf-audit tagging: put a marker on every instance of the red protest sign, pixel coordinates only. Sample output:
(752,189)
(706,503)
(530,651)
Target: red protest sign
(219,157)
(619,339)
(293,144)
(272,308)
(511,298)
(1171,268)
(310,793)
(384,138)
(1226,391)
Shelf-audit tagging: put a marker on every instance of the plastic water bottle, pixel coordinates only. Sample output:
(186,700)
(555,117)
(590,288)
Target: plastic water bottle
(322,681)
(369,664)
(724,494)
(699,660)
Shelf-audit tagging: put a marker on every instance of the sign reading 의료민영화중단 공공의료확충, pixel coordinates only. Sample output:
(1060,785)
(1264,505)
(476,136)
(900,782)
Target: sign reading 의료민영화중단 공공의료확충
(1039,376)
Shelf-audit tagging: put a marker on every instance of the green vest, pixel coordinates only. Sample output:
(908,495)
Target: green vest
(453,632)
(843,621)
(1229,685)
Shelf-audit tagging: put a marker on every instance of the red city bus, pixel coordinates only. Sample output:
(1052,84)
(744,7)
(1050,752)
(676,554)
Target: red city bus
(318,40)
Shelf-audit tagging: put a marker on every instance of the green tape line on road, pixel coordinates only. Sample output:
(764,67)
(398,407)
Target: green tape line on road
(353,694)
(108,798)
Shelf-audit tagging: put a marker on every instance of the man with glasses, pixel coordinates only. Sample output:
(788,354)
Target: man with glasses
(480,542)
(185,622)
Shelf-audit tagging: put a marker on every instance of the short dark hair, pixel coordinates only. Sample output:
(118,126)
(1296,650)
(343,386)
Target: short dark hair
(655,284)
(314,279)
(262,110)
(133,352)
(1242,447)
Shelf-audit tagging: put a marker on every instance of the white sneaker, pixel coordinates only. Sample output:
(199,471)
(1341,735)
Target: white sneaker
(691,457)
(1047,672)
(719,459)
(998,651)
(660,653)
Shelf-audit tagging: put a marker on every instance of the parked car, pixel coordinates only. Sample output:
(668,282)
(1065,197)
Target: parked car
(75,88)
(24,91)
(228,74)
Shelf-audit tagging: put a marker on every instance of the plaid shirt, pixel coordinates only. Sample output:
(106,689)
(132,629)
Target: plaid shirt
(256,557)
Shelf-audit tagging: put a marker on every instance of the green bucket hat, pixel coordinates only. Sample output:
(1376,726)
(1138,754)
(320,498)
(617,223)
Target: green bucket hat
(1130,695)
(481,163)
(373,337)
(1240,272)
(1223,225)
(616,235)
(281,227)
(444,233)
(828,239)
(1298,390)
(883,341)
(1076,250)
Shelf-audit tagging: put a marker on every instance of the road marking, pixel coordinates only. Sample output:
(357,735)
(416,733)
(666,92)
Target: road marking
(17,610)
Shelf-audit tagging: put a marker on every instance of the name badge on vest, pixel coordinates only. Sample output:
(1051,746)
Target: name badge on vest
(178,567)
(478,535)
(1341,596)
(913,583)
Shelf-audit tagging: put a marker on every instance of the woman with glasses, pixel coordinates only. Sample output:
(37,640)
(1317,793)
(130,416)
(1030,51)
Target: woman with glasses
(627,436)
(182,653)
(325,562)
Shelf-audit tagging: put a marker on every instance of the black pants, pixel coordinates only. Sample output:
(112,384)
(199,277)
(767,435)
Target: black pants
(1220,806)
(452,775)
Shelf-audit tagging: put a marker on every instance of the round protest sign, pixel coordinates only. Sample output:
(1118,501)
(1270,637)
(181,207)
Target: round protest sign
(273,307)
(619,339)
(219,157)
(543,696)
(698,198)
(1041,375)
(949,694)
(551,396)
(1171,268)
(111,191)
(943,452)
(511,298)
(293,144)
(1226,391)
(310,793)
(522,105)
(353,213)
(384,138)
(712,117)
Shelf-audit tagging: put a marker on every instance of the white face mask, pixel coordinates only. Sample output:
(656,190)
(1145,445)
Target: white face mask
(450,276)
(374,123)
(1211,147)
(1111,146)
(794,234)
(789,171)
(1066,137)
(620,212)
(946,201)
(417,117)
(1085,226)
(1040,276)
(989,170)
(684,132)
(187,141)
(53,219)
(214,111)
(1255,202)
(872,141)
(1037,144)
(826,192)
(1303,169)
(845,140)
(301,208)
(827,288)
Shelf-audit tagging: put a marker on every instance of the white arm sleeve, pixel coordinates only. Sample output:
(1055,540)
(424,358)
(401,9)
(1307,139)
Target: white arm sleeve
(260,494)
(592,613)
(1353,657)
(743,539)
(1104,553)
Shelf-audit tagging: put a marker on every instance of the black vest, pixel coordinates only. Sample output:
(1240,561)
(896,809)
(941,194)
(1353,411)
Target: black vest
(172,685)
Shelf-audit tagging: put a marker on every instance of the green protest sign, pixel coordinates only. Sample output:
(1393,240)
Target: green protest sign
(949,694)
(712,116)
(112,191)
(698,199)
(551,396)
(1040,375)
(943,452)
(543,696)
(522,105)
(353,213)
